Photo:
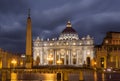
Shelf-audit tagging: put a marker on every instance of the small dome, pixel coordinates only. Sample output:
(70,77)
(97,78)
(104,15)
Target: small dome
(68,33)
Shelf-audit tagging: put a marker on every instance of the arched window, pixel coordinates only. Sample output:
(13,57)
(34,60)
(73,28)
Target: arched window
(37,60)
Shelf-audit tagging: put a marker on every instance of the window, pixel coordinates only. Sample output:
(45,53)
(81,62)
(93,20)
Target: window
(106,41)
(102,62)
(74,43)
(80,43)
(51,44)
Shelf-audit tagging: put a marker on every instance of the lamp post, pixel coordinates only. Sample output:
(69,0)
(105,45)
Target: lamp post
(95,63)
(59,62)
(13,73)
(23,60)
(50,59)
(14,62)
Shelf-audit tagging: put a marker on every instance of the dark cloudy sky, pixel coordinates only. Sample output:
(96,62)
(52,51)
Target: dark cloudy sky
(49,17)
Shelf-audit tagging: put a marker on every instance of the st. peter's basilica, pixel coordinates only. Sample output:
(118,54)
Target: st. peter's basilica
(67,49)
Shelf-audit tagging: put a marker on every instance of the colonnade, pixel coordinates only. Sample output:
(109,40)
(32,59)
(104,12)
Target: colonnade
(56,56)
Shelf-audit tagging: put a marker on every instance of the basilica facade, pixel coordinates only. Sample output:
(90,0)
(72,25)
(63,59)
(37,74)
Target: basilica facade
(67,49)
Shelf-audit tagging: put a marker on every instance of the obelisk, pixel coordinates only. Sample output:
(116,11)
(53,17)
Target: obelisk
(29,42)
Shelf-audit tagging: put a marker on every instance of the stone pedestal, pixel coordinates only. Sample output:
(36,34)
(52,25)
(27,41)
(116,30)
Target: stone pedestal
(65,76)
(13,76)
(81,77)
(4,76)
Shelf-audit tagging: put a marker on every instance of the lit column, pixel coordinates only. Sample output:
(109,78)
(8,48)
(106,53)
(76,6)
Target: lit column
(59,56)
(56,55)
(68,57)
(53,57)
(84,56)
(71,58)
(47,56)
(69,53)
(41,57)
(77,58)
(29,42)
(65,58)
(54,60)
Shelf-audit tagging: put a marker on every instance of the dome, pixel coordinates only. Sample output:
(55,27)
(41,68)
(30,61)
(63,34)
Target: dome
(69,29)
(69,33)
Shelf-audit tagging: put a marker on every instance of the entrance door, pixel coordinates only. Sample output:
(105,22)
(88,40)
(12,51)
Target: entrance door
(58,76)
(88,61)
(74,60)
(37,60)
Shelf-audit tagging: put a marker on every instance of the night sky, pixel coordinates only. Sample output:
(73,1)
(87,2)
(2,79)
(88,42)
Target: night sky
(49,18)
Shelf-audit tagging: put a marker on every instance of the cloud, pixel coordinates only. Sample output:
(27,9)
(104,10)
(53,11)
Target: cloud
(13,6)
(49,18)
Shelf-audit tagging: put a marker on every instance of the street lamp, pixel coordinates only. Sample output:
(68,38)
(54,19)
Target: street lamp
(59,62)
(50,59)
(95,64)
(14,62)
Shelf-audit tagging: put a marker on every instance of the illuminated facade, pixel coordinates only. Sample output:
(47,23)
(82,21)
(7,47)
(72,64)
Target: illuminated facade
(11,60)
(67,49)
(108,53)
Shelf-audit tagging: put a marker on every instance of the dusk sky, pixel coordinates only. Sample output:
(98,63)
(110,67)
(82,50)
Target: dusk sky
(49,18)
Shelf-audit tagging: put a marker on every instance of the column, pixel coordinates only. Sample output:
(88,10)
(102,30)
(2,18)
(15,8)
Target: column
(47,56)
(41,58)
(43,52)
(84,56)
(53,56)
(65,58)
(56,55)
(69,57)
(77,58)
(59,56)
(116,61)
(54,60)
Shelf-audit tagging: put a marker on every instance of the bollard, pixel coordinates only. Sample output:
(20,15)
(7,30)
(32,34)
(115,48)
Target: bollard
(81,76)
(65,76)
(4,76)
(13,76)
